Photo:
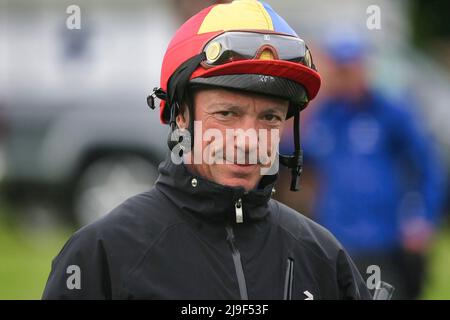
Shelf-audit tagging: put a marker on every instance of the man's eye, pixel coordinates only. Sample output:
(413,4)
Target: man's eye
(225,113)
(272,117)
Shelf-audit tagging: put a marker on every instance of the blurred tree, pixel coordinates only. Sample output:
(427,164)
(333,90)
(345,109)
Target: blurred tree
(430,20)
(431,27)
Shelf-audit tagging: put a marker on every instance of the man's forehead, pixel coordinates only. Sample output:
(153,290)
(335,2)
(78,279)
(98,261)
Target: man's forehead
(218,97)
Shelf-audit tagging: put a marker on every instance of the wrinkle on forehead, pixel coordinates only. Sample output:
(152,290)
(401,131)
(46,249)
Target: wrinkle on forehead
(239,101)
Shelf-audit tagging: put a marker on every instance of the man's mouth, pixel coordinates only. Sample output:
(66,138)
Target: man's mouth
(242,169)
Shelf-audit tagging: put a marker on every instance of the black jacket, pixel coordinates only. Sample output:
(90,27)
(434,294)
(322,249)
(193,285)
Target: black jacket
(181,240)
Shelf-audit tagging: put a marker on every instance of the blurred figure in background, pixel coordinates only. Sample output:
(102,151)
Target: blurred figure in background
(379,181)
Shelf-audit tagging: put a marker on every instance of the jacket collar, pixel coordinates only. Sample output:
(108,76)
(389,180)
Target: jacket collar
(210,200)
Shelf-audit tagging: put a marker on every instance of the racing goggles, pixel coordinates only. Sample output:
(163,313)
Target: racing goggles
(241,45)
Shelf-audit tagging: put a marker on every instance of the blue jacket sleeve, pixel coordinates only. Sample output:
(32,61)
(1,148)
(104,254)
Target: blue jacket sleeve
(418,147)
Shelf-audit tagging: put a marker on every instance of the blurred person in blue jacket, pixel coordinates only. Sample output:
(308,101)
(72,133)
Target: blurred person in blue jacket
(380,182)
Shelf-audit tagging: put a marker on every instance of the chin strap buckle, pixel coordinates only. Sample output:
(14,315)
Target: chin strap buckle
(295,163)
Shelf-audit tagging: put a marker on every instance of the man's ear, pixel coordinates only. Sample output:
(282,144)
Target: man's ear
(182,118)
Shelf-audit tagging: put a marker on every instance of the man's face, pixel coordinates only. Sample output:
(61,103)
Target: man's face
(348,80)
(225,112)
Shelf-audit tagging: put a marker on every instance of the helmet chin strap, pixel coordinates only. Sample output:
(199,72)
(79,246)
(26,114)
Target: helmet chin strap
(177,93)
(295,161)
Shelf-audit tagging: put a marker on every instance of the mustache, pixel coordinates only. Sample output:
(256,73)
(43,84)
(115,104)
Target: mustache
(240,155)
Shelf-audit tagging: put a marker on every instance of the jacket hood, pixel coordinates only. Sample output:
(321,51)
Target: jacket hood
(212,201)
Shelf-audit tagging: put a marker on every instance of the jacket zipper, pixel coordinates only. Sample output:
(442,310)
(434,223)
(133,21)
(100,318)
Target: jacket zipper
(238,210)
(289,279)
(237,263)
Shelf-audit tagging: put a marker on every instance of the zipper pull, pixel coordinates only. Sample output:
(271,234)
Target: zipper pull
(238,208)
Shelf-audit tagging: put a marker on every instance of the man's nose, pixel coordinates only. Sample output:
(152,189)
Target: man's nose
(248,135)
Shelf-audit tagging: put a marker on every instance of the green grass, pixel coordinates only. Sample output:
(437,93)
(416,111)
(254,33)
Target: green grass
(25,261)
(437,285)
